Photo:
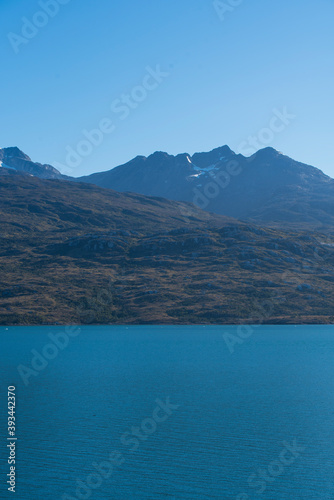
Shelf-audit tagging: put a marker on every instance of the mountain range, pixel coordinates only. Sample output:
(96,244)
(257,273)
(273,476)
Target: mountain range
(260,251)
(267,188)
(76,253)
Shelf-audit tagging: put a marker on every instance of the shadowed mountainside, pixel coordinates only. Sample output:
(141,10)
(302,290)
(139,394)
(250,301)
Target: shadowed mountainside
(268,188)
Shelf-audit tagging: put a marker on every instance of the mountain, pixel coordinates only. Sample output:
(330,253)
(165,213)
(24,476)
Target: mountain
(268,187)
(172,177)
(15,159)
(76,253)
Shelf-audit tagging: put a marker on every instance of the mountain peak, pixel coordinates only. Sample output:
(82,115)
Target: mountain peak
(159,155)
(221,154)
(14,158)
(13,152)
(224,149)
(268,152)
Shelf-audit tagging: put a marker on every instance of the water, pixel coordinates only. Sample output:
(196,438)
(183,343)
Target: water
(230,414)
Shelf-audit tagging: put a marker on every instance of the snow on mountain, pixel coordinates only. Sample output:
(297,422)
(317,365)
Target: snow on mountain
(13,158)
(6,166)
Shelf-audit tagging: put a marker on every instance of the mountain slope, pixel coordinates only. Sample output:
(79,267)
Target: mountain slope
(75,253)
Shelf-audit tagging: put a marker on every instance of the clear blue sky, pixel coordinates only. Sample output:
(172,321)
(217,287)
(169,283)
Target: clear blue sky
(226,76)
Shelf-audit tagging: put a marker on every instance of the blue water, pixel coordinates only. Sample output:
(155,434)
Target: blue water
(230,415)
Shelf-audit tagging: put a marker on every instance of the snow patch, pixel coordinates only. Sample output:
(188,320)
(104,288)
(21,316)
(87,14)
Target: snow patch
(204,170)
(6,166)
(210,167)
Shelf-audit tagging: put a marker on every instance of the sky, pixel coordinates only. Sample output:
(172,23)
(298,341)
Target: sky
(87,86)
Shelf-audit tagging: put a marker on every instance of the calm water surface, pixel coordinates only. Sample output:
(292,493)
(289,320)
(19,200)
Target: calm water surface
(226,435)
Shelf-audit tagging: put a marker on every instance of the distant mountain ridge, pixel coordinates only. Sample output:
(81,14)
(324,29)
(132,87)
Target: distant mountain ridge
(168,176)
(268,188)
(13,158)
